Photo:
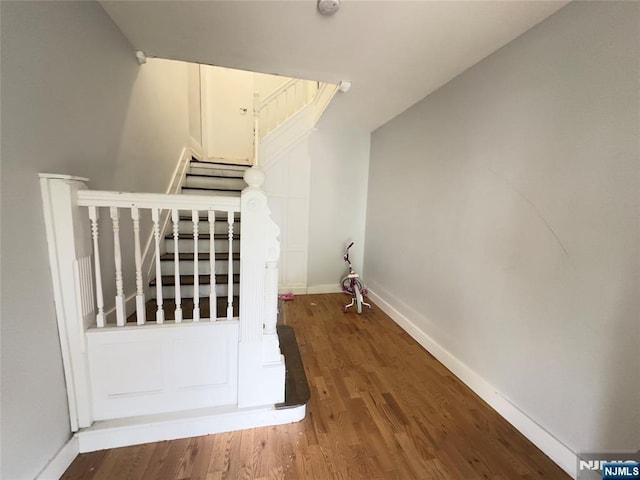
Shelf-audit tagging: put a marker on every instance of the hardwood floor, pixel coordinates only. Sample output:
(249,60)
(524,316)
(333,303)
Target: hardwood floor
(381,408)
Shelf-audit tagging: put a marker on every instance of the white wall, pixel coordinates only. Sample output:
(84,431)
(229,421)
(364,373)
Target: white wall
(75,101)
(338,198)
(503,220)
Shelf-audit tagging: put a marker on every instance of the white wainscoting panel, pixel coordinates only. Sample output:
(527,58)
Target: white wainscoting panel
(287,186)
(162,368)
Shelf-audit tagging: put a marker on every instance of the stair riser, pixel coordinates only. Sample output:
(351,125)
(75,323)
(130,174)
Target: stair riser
(186,245)
(213,193)
(186,291)
(222,183)
(186,267)
(186,226)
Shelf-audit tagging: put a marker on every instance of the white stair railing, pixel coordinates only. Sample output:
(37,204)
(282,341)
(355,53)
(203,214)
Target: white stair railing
(74,236)
(284,103)
(152,206)
(280,105)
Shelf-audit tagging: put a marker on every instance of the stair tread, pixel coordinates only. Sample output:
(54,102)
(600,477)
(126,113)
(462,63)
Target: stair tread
(227,166)
(221,188)
(236,175)
(203,236)
(297,390)
(201,256)
(169,280)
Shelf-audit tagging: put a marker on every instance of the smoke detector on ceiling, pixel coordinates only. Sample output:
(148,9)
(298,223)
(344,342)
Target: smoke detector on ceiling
(328,7)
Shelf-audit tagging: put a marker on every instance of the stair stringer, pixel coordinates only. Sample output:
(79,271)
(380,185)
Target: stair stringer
(290,132)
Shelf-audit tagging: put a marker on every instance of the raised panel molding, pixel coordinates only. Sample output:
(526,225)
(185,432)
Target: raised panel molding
(166,368)
(287,186)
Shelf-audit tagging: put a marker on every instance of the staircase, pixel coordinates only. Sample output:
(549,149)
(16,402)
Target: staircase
(202,178)
(182,338)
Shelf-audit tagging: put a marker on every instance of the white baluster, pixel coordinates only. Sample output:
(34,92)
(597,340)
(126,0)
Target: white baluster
(117,256)
(175,218)
(230,277)
(213,298)
(140,306)
(93,216)
(155,216)
(195,217)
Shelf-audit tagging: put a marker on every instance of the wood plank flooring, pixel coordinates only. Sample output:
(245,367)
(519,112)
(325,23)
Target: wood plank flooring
(381,408)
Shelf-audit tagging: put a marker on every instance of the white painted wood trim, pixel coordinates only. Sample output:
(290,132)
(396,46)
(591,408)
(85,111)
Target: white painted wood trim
(100,198)
(195,147)
(330,288)
(175,187)
(180,172)
(59,176)
(66,246)
(155,428)
(204,119)
(65,347)
(198,155)
(295,290)
(562,455)
(285,86)
(129,306)
(61,461)
(293,130)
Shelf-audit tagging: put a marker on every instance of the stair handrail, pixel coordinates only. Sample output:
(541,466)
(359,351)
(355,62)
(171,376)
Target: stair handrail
(284,102)
(105,198)
(278,91)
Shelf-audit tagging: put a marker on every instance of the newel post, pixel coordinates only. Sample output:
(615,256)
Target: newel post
(261,366)
(70,256)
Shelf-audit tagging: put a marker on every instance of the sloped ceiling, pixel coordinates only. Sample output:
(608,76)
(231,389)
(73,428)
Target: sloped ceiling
(394,52)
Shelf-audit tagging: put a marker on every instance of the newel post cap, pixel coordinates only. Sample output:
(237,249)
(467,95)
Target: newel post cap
(254,176)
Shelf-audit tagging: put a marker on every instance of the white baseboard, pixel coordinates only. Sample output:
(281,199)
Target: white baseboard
(330,288)
(294,290)
(563,456)
(171,426)
(58,464)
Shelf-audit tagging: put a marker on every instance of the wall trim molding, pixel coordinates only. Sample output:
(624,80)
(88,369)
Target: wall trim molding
(329,288)
(296,290)
(557,451)
(61,461)
(172,426)
(175,187)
